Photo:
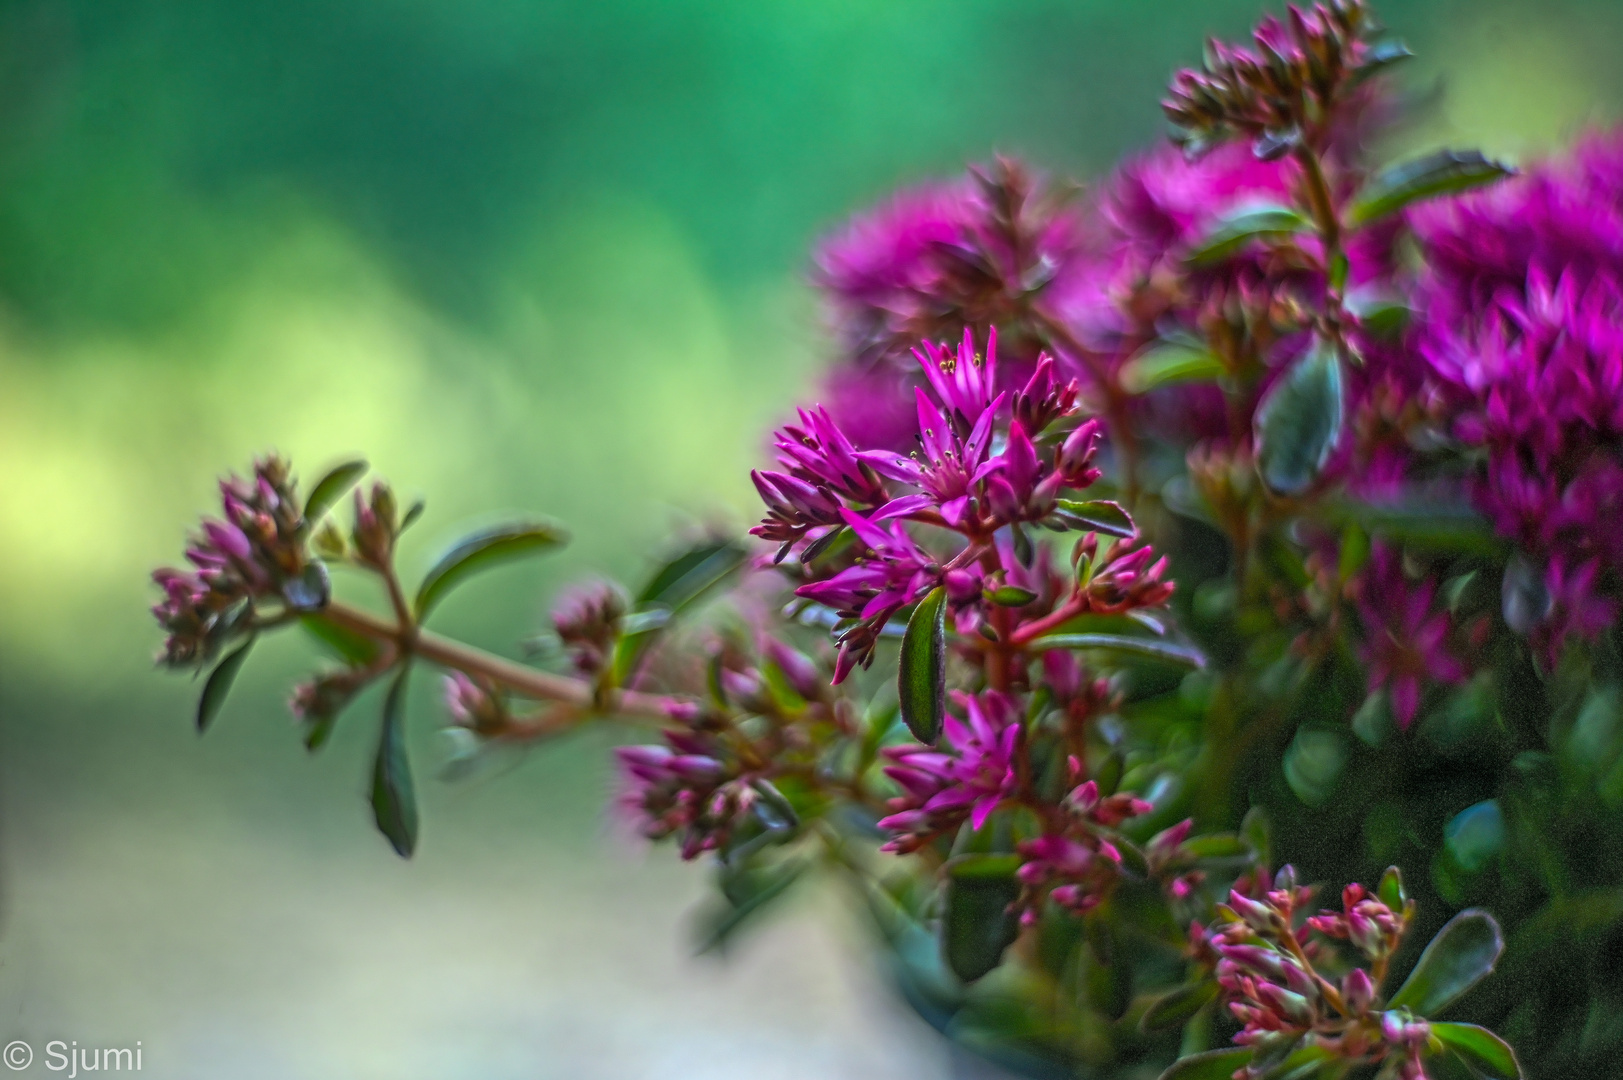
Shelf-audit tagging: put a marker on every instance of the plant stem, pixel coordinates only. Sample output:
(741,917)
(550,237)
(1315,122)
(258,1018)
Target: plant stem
(525,681)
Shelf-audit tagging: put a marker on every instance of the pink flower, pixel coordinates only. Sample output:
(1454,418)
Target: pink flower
(965,779)
(1406,642)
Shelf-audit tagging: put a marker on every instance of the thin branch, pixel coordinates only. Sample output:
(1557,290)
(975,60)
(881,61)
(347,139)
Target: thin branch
(515,677)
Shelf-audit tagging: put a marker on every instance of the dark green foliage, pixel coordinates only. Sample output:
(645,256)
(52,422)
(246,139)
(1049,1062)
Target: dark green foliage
(1442,173)
(1233,233)
(978,924)
(1300,421)
(1462,954)
(921,670)
(218,686)
(394,799)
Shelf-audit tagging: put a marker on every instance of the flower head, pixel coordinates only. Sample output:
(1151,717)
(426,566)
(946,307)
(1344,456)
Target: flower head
(1406,641)
(941,259)
(966,778)
(587,622)
(257,550)
(1274,93)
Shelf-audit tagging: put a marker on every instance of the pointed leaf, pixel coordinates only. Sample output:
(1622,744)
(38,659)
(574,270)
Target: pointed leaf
(678,584)
(219,685)
(921,672)
(749,894)
(1133,648)
(480,551)
(1234,231)
(1097,515)
(1299,422)
(330,488)
(1212,1065)
(394,800)
(1011,596)
(1487,1054)
(1217,846)
(1168,363)
(1446,172)
(1390,891)
(1462,954)
(1175,1008)
(978,924)
(690,575)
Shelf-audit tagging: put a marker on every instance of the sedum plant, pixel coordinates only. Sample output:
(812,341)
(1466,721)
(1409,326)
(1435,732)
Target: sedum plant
(1152,552)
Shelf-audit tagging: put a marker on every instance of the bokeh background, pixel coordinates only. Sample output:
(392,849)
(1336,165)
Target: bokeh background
(525,256)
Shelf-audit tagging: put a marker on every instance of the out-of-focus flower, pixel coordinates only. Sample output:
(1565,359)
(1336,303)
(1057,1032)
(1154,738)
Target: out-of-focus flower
(257,551)
(1279,92)
(474,705)
(1576,610)
(939,260)
(1074,865)
(686,789)
(587,622)
(1522,297)
(1405,640)
(964,779)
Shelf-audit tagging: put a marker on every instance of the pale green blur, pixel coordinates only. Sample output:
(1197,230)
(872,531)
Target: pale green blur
(526,258)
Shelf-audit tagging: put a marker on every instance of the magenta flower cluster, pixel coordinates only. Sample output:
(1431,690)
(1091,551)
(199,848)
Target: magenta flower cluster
(255,550)
(1522,299)
(1267,969)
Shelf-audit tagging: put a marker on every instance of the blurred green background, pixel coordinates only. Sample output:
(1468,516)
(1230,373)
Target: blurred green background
(524,256)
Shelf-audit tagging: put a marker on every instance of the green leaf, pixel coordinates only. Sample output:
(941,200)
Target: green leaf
(1217,846)
(921,671)
(1475,836)
(330,488)
(1096,515)
(691,575)
(1167,363)
(1391,891)
(1257,831)
(394,801)
(1446,172)
(318,730)
(481,551)
(1462,954)
(219,684)
(748,893)
(354,649)
(1110,773)
(1011,596)
(1378,57)
(1212,1065)
(679,583)
(1299,421)
(1235,230)
(1132,648)
(978,924)
(1486,1053)
(1175,1008)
